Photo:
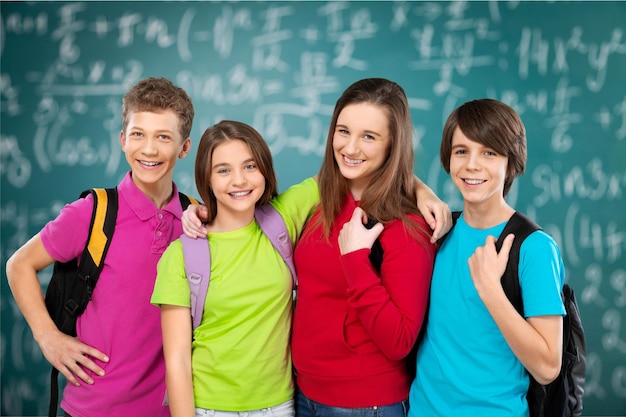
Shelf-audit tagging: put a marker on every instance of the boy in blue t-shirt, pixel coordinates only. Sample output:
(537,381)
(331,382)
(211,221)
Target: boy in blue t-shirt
(478,350)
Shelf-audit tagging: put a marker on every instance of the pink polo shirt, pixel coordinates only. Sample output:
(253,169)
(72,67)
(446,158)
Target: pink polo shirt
(119,320)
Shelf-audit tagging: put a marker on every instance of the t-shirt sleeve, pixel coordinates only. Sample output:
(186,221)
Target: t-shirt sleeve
(171,285)
(297,204)
(542,275)
(64,238)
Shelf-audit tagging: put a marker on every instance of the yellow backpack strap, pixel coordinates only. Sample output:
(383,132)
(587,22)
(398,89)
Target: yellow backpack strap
(185,200)
(101,230)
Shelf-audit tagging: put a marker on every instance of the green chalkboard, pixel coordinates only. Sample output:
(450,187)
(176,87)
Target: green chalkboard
(280,66)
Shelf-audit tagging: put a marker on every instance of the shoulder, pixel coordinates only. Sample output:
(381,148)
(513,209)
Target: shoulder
(540,242)
(414,230)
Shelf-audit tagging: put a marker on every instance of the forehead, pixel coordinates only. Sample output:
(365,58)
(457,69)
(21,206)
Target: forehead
(154,120)
(364,116)
(459,139)
(232,151)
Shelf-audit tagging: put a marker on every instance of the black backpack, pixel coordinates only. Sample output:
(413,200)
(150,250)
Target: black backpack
(72,284)
(564,396)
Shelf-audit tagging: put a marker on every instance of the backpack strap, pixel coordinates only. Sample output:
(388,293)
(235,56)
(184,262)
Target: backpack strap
(100,235)
(186,200)
(521,226)
(197,258)
(101,230)
(272,224)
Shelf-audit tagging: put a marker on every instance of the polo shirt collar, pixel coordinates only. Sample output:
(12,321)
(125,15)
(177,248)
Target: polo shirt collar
(141,205)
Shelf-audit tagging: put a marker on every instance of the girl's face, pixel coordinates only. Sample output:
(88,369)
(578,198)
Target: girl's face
(477,171)
(361,144)
(235,179)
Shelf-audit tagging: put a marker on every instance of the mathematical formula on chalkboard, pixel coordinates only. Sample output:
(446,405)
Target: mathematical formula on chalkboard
(281,66)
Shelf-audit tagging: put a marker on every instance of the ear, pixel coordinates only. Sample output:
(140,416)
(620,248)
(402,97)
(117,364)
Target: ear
(185,148)
(123,140)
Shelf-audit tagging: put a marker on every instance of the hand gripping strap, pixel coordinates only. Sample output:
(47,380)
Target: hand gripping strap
(521,226)
(198,269)
(272,224)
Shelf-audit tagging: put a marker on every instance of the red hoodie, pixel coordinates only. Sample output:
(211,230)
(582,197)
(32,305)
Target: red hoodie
(352,328)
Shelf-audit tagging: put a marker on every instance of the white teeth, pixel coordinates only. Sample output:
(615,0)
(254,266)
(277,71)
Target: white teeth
(240,193)
(150,163)
(474,182)
(352,161)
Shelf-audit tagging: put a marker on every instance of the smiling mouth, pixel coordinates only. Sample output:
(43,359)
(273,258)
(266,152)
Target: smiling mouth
(149,163)
(352,161)
(239,194)
(473,182)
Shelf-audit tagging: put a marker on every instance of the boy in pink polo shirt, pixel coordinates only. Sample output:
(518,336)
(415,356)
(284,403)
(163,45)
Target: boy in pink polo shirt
(115,366)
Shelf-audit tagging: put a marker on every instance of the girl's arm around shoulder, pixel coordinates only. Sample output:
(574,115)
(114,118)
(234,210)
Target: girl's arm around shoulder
(392,306)
(297,204)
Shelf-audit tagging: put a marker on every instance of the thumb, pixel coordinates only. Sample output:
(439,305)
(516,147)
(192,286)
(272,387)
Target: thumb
(506,245)
(358,215)
(203,212)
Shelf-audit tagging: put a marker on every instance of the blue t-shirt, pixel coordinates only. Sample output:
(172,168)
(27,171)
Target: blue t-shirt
(465,366)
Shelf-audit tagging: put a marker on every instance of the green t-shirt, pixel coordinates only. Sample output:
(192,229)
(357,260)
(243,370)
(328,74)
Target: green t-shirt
(241,358)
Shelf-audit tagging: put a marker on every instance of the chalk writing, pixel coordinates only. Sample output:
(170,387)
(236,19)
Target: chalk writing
(281,66)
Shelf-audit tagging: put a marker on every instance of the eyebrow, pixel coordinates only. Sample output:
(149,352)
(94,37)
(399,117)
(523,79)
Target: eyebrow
(369,132)
(226,164)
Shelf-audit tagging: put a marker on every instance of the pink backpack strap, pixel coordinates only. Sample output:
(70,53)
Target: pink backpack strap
(198,269)
(273,226)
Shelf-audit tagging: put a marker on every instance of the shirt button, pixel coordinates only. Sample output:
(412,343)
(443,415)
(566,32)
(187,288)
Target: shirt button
(160,215)
(159,233)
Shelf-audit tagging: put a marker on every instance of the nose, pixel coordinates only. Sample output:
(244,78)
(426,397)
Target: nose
(239,177)
(150,147)
(473,162)
(351,146)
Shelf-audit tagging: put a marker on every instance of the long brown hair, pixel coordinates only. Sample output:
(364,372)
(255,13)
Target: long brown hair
(216,135)
(391,193)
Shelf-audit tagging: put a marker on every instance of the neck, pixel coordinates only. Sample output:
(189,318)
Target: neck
(227,221)
(486,216)
(160,195)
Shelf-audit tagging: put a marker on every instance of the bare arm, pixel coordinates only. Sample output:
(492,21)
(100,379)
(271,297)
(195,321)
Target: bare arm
(176,327)
(67,354)
(436,213)
(537,342)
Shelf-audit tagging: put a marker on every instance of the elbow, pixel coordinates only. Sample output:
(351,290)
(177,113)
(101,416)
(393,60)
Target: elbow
(9,267)
(548,373)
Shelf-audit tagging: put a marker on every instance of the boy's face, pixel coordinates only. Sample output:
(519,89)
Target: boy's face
(477,171)
(152,144)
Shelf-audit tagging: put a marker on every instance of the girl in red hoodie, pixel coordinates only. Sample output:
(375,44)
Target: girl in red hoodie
(354,327)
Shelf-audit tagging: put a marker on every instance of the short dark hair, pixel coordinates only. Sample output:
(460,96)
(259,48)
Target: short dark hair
(157,95)
(222,132)
(491,123)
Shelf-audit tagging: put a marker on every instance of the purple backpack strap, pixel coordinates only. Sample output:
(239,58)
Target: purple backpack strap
(198,269)
(273,226)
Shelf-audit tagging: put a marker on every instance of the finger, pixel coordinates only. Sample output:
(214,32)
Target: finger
(431,220)
(506,245)
(69,376)
(78,373)
(357,215)
(377,229)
